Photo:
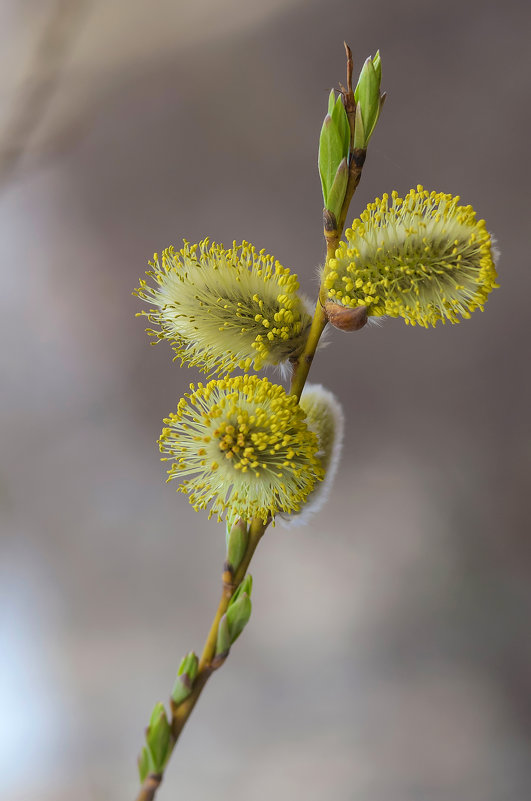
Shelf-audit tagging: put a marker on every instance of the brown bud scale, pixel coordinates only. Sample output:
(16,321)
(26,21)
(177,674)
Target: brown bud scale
(345,318)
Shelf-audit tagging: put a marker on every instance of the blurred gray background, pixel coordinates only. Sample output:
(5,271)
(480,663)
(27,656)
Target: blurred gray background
(389,655)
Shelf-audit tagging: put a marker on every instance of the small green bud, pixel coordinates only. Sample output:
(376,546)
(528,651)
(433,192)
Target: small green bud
(239,609)
(367,97)
(143,764)
(237,539)
(223,639)
(185,678)
(334,143)
(158,739)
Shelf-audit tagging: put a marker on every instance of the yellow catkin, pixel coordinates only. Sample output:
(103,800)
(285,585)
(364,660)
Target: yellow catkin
(246,446)
(223,309)
(423,257)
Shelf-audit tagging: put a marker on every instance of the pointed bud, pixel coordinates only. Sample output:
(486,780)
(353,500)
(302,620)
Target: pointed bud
(185,678)
(367,96)
(223,638)
(237,539)
(239,609)
(158,738)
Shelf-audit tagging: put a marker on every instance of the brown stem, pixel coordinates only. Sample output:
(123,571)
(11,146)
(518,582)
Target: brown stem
(149,787)
(208,662)
(357,155)
(302,368)
(181,713)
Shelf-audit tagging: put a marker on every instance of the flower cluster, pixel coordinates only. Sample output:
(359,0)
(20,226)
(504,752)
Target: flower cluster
(246,447)
(242,445)
(424,258)
(225,309)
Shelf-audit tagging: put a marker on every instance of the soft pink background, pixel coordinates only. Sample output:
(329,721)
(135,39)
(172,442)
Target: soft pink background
(389,655)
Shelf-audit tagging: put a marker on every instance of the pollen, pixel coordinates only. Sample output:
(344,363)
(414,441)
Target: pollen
(259,457)
(222,309)
(424,258)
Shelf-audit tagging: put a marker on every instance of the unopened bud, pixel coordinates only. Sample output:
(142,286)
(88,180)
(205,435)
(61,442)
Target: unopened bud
(239,609)
(237,539)
(336,195)
(334,143)
(158,739)
(143,764)
(223,638)
(344,317)
(185,678)
(368,100)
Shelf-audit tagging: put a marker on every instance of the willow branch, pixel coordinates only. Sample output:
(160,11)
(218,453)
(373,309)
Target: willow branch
(208,662)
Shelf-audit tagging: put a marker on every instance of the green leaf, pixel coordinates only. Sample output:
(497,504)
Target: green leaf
(336,195)
(331,101)
(330,154)
(339,115)
(359,133)
(377,64)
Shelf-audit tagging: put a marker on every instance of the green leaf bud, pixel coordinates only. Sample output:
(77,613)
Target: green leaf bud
(367,97)
(339,116)
(237,539)
(223,639)
(158,738)
(185,678)
(239,609)
(334,144)
(143,764)
(330,154)
(336,195)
